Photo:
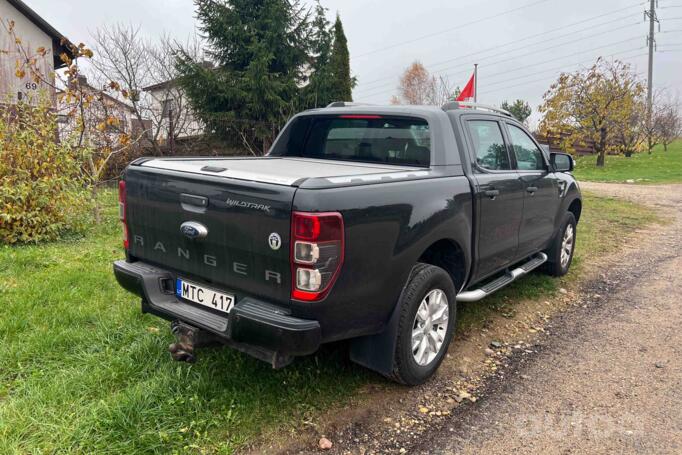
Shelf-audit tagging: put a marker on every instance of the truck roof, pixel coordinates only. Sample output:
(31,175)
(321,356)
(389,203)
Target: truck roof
(408,109)
(378,109)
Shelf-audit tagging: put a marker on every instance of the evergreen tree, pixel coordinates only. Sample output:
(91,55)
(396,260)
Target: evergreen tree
(320,90)
(259,49)
(340,65)
(519,109)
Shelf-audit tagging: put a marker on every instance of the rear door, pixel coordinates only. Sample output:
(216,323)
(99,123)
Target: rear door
(498,195)
(541,191)
(246,248)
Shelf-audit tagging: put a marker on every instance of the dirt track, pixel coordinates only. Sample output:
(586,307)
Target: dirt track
(609,379)
(595,369)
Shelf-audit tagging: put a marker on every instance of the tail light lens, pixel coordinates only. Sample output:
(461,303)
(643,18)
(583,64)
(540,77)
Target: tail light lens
(316,253)
(122,211)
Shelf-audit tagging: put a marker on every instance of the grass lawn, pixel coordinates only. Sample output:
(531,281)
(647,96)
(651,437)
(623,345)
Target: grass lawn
(659,167)
(83,371)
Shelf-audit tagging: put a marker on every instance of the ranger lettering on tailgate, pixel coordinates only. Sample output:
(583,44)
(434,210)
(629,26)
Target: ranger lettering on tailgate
(211,260)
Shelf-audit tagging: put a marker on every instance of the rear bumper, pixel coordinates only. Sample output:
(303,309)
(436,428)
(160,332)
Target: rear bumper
(254,326)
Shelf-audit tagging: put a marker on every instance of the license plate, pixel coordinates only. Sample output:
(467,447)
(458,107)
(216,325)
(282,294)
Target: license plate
(204,296)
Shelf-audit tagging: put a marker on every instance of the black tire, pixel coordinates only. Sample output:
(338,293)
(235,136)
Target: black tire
(423,280)
(554,266)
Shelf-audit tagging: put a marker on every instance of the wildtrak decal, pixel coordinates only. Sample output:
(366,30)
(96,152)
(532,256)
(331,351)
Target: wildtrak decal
(247,205)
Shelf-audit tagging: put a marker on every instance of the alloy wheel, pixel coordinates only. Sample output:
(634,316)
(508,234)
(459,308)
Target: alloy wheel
(567,245)
(430,326)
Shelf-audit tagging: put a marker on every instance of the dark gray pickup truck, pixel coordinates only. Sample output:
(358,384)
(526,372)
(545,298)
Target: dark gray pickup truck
(362,223)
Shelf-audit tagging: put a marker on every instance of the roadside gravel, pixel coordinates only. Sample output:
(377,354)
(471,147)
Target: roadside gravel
(596,368)
(609,378)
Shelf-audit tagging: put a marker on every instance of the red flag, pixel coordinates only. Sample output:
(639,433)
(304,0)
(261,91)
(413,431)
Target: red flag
(468,91)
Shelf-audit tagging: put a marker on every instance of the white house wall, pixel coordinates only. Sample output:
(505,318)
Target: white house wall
(32,38)
(186,126)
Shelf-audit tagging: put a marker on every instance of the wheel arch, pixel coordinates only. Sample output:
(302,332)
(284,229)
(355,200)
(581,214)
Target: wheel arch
(576,208)
(448,255)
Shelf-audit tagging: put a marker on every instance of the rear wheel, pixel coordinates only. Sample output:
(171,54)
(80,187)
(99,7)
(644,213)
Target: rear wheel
(428,314)
(563,246)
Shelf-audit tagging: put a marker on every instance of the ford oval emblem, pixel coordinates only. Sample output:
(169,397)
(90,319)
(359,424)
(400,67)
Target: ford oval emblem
(275,241)
(193,230)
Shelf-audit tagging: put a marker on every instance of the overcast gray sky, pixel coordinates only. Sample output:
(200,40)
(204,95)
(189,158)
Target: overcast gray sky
(521,46)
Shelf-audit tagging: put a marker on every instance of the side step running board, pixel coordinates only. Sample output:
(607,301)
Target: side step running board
(499,283)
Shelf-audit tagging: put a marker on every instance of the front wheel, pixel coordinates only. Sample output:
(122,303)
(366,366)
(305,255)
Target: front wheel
(563,246)
(427,320)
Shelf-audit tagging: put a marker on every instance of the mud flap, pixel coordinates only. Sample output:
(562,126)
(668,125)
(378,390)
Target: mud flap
(376,352)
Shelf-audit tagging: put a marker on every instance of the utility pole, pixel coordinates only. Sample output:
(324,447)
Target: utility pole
(651,41)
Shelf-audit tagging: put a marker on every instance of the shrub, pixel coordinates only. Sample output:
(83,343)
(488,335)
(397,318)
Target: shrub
(40,192)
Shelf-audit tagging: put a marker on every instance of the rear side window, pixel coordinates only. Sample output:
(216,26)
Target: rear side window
(366,138)
(528,155)
(489,147)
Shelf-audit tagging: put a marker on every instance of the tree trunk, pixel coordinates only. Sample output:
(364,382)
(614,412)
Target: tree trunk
(95,206)
(93,191)
(665,146)
(601,158)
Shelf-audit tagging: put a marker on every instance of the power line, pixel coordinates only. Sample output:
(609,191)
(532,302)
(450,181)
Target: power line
(557,68)
(546,61)
(465,64)
(563,57)
(544,79)
(592,27)
(492,48)
(459,65)
(535,51)
(457,27)
(531,53)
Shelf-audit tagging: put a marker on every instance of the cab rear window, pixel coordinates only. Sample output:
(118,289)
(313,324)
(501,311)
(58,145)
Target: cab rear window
(365,138)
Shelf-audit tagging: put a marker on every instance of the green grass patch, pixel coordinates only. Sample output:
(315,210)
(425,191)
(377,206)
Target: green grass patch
(657,167)
(83,371)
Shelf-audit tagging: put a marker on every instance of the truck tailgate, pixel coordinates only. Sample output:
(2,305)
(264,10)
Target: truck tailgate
(239,215)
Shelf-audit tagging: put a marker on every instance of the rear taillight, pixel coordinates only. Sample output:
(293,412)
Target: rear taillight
(122,211)
(316,253)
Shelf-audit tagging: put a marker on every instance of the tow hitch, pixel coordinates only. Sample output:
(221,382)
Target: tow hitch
(189,338)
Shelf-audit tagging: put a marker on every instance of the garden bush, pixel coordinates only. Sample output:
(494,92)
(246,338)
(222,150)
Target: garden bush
(41,196)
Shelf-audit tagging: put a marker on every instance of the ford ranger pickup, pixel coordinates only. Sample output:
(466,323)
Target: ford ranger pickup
(362,223)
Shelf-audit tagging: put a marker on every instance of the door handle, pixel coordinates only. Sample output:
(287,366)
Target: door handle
(492,194)
(532,189)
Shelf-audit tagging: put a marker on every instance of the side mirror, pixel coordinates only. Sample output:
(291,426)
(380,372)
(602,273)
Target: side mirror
(562,162)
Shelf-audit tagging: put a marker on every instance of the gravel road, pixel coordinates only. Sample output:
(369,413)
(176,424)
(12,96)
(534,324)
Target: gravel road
(609,378)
